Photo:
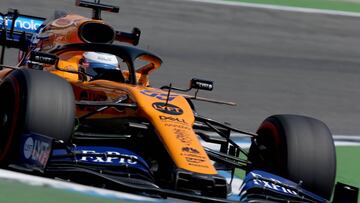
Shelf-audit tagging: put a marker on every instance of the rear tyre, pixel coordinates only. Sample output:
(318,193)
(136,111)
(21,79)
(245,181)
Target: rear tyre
(298,148)
(34,101)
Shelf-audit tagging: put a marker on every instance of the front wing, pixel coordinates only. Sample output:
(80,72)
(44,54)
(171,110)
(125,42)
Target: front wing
(121,169)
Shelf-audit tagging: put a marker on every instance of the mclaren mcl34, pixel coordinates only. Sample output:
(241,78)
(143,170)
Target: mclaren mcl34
(78,106)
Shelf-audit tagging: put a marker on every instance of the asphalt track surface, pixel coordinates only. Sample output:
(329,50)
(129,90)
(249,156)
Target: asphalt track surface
(269,62)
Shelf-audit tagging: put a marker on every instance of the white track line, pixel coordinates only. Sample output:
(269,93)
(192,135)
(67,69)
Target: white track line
(244,141)
(40,181)
(280,8)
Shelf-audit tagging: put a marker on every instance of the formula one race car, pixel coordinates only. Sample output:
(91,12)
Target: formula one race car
(79,107)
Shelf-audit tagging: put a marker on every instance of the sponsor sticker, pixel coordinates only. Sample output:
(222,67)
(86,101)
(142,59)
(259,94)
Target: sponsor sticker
(183,136)
(172,119)
(23,23)
(260,181)
(190,150)
(110,157)
(179,126)
(194,160)
(167,108)
(202,84)
(198,165)
(36,150)
(158,95)
(193,157)
(28,147)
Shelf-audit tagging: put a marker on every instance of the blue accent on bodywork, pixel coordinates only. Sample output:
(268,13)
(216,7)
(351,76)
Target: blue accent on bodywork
(34,151)
(267,181)
(27,24)
(24,29)
(101,65)
(159,95)
(103,156)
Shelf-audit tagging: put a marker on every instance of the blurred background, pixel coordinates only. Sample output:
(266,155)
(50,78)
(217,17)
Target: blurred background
(267,61)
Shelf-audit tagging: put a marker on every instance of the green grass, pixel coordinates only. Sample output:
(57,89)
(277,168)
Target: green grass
(318,4)
(348,165)
(16,192)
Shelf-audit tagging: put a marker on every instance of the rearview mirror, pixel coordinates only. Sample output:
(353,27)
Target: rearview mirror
(43,58)
(201,84)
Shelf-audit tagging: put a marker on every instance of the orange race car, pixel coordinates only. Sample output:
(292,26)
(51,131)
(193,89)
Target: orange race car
(79,106)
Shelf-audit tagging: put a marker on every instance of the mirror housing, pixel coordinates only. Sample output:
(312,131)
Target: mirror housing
(97,7)
(43,58)
(201,84)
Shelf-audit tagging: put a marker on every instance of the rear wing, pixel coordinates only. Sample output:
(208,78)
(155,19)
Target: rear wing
(16,30)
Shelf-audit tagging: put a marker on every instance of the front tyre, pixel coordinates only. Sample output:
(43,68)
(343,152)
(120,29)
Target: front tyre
(298,148)
(34,101)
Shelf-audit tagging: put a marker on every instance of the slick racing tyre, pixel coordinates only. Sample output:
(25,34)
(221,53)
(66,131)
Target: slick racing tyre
(298,148)
(34,101)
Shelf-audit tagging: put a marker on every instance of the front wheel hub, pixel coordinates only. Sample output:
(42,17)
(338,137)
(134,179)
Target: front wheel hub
(3,120)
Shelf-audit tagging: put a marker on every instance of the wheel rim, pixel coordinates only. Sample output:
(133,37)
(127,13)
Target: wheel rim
(272,140)
(266,153)
(8,112)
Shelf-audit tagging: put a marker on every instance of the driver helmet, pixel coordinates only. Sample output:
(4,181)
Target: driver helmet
(92,61)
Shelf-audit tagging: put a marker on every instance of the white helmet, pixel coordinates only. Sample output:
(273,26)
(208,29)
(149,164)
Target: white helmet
(94,60)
